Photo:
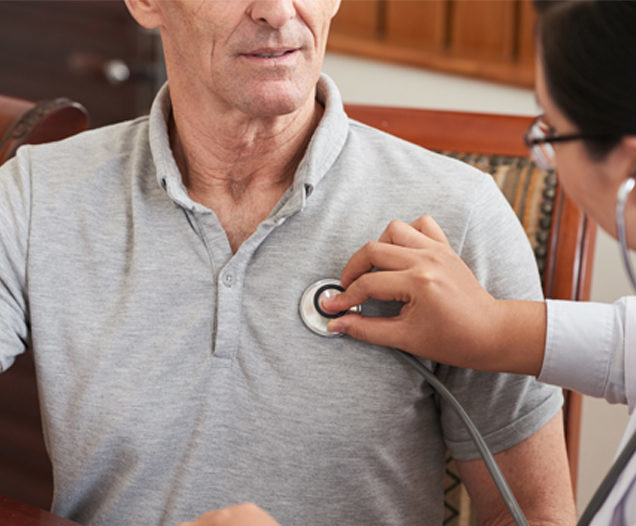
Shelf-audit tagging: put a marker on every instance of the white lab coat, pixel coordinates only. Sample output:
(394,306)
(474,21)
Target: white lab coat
(591,348)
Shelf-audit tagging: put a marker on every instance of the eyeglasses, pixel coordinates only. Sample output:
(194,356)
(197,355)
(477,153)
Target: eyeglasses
(539,139)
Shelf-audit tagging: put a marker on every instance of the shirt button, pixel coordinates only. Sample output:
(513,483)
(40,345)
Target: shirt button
(228,279)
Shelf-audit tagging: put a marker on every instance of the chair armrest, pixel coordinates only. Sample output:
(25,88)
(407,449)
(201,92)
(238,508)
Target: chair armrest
(15,513)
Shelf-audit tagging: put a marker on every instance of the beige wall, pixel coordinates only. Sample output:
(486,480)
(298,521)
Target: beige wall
(370,82)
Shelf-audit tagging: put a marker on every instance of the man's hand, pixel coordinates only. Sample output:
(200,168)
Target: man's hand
(447,315)
(241,515)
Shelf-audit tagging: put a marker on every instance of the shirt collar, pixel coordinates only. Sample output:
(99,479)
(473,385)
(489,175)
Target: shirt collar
(323,149)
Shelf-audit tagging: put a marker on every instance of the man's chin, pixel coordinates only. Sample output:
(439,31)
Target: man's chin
(278,99)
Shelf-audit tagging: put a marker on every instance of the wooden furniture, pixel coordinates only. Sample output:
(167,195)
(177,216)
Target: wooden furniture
(15,513)
(24,122)
(25,470)
(92,52)
(487,39)
(561,235)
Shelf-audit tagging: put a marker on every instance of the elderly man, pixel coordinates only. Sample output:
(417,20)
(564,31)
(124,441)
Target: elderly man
(155,268)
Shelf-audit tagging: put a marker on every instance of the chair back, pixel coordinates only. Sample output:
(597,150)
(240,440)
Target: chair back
(561,236)
(26,122)
(25,470)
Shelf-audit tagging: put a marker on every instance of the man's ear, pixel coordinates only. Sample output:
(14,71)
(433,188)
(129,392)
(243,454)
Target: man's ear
(336,8)
(145,12)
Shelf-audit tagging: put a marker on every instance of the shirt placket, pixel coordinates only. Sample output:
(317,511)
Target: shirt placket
(229,271)
(228,309)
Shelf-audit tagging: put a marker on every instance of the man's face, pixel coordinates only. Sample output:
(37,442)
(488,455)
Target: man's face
(262,57)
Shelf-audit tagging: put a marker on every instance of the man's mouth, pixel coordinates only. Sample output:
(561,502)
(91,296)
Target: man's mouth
(271,53)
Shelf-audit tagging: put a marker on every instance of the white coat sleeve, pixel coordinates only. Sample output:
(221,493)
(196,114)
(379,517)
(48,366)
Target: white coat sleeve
(590,347)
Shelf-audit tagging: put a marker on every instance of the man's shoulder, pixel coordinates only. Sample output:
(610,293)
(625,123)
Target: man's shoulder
(96,162)
(410,163)
(106,140)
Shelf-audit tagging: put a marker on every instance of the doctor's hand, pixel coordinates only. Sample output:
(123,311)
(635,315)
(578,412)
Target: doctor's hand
(447,316)
(246,514)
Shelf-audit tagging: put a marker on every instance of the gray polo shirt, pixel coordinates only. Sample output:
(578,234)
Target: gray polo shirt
(176,377)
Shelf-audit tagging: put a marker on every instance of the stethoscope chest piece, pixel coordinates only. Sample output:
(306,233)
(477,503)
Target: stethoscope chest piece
(311,312)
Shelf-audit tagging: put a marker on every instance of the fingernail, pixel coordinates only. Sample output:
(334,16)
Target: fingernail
(335,326)
(326,303)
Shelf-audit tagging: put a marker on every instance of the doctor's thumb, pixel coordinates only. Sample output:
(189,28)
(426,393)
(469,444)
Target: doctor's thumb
(379,331)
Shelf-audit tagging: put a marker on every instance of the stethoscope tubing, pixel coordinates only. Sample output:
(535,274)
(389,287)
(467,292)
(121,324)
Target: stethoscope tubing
(621,199)
(600,495)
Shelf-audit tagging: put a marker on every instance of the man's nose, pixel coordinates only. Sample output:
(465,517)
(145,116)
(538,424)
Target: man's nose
(275,13)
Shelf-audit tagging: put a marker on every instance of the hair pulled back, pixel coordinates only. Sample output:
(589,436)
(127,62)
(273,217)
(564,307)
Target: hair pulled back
(588,50)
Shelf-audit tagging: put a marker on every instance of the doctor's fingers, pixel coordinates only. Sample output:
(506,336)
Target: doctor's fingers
(387,332)
(429,227)
(421,233)
(375,254)
(379,285)
(404,235)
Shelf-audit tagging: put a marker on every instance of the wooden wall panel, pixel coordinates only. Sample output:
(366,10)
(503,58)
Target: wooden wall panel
(417,24)
(525,41)
(487,39)
(484,29)
(358,18)
(63,48)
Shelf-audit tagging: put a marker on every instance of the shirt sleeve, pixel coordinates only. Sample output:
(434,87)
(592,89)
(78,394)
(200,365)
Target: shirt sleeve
(14,225)
(506,408)
(590,348)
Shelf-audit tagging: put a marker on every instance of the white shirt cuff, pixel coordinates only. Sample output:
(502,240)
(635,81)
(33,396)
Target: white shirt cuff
(630,351)
(584,348)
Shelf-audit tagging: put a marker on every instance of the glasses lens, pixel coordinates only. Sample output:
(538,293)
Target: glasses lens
(542,153)
(543,156)
(539,129)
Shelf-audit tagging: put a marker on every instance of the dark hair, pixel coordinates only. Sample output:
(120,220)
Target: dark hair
(588,50)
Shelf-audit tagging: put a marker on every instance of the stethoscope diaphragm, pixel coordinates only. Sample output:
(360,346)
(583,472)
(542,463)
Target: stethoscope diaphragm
(311,311)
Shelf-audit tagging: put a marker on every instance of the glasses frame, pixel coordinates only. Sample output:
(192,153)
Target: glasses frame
(541,149)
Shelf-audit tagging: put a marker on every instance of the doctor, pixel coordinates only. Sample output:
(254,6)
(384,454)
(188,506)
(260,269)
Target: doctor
(586,87)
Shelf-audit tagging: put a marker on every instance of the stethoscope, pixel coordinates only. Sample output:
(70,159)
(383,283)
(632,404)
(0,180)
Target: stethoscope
(311,312)
(621,198)
(316,319)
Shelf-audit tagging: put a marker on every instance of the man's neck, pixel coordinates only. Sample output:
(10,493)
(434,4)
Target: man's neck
(237,166)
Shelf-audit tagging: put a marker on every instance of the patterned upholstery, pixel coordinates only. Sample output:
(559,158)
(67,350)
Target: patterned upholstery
(457,506)
(531,192)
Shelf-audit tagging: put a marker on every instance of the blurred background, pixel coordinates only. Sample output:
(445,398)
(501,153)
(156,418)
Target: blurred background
(466,55)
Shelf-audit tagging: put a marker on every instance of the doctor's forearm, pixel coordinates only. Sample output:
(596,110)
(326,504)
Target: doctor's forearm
(519,341)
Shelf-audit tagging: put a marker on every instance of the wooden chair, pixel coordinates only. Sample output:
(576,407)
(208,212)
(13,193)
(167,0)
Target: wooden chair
(25,470)
(561,235)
